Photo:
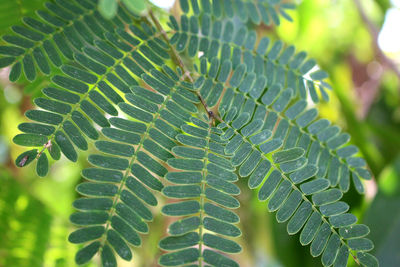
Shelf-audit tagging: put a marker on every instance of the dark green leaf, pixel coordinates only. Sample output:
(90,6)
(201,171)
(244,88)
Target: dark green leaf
(42,166)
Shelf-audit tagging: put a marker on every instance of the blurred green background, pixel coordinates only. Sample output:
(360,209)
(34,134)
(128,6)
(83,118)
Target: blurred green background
(356,42)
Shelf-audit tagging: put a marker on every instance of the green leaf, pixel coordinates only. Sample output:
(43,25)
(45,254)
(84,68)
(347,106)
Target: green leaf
(15,72)
(119,245)
(70,84)
(30,140)
(220,213)
(184,177)
(131,218)
(181,208)
(108,162)
(331,250)
(361,244)
(88,218)
(271,146)
(126,231)
(102,175)
(342,220)
(135,6)
(179,242)
(179,257)
(334,208)
(221,243)
(342,257)
(55,151)
(141,191)
(259,174)
(222,185)
(86,254)
(66,146)
(288,155)
(108,8)
(184,226)
(75,135)
(280,195)
(114,148)
(11,51)
(289,207)
(97,189)
(367,259)
(310,229)
(222,198)
(26,157)
(36,128)
(215,258)
(314,186)
(293,165)
(107,256)
(299,218)
(326,197)
(44,117)
(134,203)
(61,95)
(42,166)
(320,240)
(93,203)
(358,230)
(186,164)
(269,186)
(184,191)
(86,234)
(221,227)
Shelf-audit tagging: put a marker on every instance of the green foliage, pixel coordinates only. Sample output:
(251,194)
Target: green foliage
(25,225)
(204,179)
(188,130)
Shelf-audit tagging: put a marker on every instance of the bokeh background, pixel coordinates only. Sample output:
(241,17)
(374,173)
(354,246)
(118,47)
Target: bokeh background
(356,41)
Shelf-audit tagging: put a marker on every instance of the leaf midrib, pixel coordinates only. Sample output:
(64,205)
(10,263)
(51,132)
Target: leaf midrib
(302,130)
(294,187)
(133,159)
(85,96)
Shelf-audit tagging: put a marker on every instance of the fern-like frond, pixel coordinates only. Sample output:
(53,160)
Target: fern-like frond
(278,108)
(265,11)
(203,184)
(268,62)
(299,181)
(128,170)
(85,93)
(62,30)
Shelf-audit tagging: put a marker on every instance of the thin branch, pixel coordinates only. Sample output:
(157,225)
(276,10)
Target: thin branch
(177,58)
(179,62)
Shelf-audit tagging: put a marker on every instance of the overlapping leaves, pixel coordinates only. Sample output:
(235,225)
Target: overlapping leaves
(55,36)
(265,11)
(267,62)
(126,173)
(116,75)
(203,184)
(298,183)
(278,107)
(88,91)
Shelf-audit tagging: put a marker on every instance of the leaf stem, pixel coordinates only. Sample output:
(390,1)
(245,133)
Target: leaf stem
(178,60)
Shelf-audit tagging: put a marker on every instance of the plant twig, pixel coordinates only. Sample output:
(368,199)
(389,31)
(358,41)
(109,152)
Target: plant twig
(179,62)
(387,62)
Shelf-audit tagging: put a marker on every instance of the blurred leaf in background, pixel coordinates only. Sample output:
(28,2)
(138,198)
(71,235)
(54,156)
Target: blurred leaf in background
(25,225)
(383,216)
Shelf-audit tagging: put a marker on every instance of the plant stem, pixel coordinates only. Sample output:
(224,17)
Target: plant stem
(179,62)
